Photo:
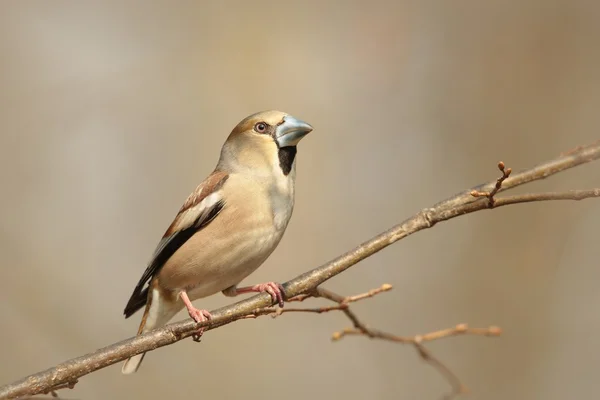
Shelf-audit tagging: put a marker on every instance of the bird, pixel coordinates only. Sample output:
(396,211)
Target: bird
(226,228)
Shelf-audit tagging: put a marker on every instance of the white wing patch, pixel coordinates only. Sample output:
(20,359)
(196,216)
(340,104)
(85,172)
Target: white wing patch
(194,215)
(191,215)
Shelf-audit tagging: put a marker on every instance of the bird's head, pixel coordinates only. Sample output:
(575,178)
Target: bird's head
(263,141)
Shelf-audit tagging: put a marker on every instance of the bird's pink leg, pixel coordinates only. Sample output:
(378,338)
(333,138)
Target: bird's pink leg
(196,314)
(273,288)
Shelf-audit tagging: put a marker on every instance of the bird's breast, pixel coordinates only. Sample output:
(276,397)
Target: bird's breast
(236,242)
(282,205)
(281,197)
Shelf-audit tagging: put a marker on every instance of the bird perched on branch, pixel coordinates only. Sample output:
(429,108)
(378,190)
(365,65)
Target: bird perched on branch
(226,228)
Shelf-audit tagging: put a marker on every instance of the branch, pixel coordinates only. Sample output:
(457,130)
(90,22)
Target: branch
(342,303)
(361,329)
(460,204)
(417,341)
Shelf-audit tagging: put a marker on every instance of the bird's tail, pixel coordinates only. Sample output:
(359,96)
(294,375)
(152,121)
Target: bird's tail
(157,313)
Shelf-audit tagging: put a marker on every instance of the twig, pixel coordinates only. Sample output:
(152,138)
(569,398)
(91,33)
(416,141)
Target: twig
(527,198)
(342,303)
(460,329)
(417,341)
(460,204)
(457,386)
(321,292)
(384,288)
(275,312)
(361,329)
(490,195)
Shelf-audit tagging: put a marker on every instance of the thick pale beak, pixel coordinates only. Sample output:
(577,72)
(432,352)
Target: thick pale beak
(291,131)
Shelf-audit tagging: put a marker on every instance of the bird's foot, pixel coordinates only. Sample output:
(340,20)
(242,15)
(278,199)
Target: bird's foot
(198,316)
(273,288)
(195,314)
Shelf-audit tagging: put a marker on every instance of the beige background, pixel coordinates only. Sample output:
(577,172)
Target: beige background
(110,113)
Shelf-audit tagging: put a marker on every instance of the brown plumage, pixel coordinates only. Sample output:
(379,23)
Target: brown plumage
(212,184)
(227,227)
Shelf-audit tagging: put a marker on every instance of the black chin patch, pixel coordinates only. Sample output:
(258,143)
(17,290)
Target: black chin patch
(286,158)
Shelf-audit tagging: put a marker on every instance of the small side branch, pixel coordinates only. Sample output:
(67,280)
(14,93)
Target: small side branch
(531,197)
(361,329)
(490,195)
(418,342)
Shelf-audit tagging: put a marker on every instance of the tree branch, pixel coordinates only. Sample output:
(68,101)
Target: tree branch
(361,329)
(417,341)
(463,203)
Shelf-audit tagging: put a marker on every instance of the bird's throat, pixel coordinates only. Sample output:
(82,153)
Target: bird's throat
(286,158)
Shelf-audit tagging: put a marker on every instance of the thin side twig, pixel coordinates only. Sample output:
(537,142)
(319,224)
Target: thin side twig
(457,386)
(530,197)
(383,288)
(460,329)
(490,195)
(341,305)
(575,195)
(361,329)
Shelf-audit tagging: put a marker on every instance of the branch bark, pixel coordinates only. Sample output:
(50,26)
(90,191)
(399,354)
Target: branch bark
(68,372)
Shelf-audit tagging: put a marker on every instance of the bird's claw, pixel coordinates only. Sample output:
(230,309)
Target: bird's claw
(199,316)
(273,288)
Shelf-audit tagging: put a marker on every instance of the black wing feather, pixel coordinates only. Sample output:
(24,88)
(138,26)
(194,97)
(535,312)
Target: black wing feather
(166,248)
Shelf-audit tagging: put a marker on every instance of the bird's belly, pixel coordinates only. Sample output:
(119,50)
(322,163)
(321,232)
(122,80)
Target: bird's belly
(206,265)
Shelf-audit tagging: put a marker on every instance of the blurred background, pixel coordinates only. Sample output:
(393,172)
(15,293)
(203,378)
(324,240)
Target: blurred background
(112,112)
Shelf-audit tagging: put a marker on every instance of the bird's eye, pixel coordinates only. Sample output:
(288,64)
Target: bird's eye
(260,127)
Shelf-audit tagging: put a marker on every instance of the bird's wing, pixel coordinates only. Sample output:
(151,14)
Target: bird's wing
(200,209)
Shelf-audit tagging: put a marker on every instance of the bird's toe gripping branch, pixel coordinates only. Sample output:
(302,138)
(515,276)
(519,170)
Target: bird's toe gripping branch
(273,288)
